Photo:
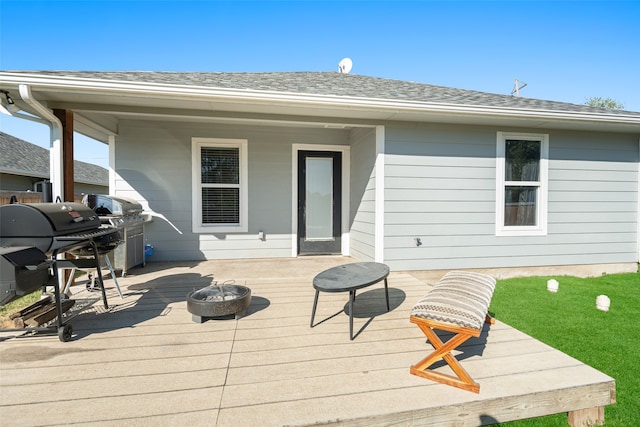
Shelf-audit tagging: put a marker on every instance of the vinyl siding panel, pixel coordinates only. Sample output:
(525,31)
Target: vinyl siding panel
(362,192)
(153,165)
(440,187)
(11,182)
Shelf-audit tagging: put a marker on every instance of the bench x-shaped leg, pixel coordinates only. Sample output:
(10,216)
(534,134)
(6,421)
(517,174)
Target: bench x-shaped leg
(443,351)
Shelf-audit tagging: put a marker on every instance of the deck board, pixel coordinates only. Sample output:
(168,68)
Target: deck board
(145,362)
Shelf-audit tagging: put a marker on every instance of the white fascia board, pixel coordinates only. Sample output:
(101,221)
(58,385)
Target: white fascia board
(160,90)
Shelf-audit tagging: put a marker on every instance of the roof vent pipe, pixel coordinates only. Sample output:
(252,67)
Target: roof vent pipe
(55,153)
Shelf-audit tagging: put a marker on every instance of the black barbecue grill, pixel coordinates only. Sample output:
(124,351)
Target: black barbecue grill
(53,227)
(126,215)
(31,232)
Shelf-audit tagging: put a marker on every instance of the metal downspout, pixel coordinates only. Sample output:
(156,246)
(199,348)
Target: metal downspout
(56,174)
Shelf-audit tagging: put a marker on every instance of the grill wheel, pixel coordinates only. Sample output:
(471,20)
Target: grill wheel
(65,332)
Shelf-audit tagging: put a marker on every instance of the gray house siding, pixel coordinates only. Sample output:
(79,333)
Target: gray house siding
(593,197)
(13,182)
(440,188)
(362,221)
(82,188)
(153,164)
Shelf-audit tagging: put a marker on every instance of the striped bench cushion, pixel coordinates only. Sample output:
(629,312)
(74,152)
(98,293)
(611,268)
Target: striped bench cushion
(460,298)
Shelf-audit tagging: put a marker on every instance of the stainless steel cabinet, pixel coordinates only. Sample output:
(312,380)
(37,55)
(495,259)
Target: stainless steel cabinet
(130,252)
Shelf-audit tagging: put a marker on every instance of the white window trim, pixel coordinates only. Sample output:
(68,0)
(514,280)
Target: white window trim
(541,213)
(196,185)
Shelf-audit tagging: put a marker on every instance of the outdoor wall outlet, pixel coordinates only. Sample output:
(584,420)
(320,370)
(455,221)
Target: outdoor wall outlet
(261,235)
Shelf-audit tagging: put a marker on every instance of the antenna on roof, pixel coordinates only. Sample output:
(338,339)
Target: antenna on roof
(517,87)
(345,65)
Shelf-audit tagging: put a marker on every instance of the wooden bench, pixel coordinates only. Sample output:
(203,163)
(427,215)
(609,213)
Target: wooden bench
(458,304)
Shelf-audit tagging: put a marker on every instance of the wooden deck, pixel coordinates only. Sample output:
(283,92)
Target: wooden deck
(145,362)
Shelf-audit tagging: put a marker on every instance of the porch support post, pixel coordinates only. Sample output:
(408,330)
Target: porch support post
(379,196)
(112,165)
(66,118)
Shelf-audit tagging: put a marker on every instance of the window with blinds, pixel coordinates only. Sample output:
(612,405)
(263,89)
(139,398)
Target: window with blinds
(220,181)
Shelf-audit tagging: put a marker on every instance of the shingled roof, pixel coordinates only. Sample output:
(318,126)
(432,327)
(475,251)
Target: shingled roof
(332,84)
(20,157)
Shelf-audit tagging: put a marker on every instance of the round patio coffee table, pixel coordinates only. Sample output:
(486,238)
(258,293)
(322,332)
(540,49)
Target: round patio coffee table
(350,277)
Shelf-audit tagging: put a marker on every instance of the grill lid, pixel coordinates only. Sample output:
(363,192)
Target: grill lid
(110,205)
(45,225)
(46,219)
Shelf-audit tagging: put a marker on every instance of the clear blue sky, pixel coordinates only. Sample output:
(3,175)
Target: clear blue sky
(564,51)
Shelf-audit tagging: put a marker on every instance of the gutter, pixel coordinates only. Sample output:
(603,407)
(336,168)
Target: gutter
(20,115)
(56,174)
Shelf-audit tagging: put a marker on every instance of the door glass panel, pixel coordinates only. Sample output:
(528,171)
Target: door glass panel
(319,195)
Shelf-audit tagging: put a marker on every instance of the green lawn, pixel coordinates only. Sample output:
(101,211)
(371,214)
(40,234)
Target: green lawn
(569,321)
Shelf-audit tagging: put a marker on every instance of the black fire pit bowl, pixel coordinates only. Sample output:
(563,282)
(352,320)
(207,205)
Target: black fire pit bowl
(218,301)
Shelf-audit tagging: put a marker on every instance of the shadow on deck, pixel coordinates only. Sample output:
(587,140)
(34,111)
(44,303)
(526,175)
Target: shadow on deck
(145,362)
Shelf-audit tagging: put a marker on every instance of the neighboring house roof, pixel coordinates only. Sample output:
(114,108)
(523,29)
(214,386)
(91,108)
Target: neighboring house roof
(20,157)
(332,84)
